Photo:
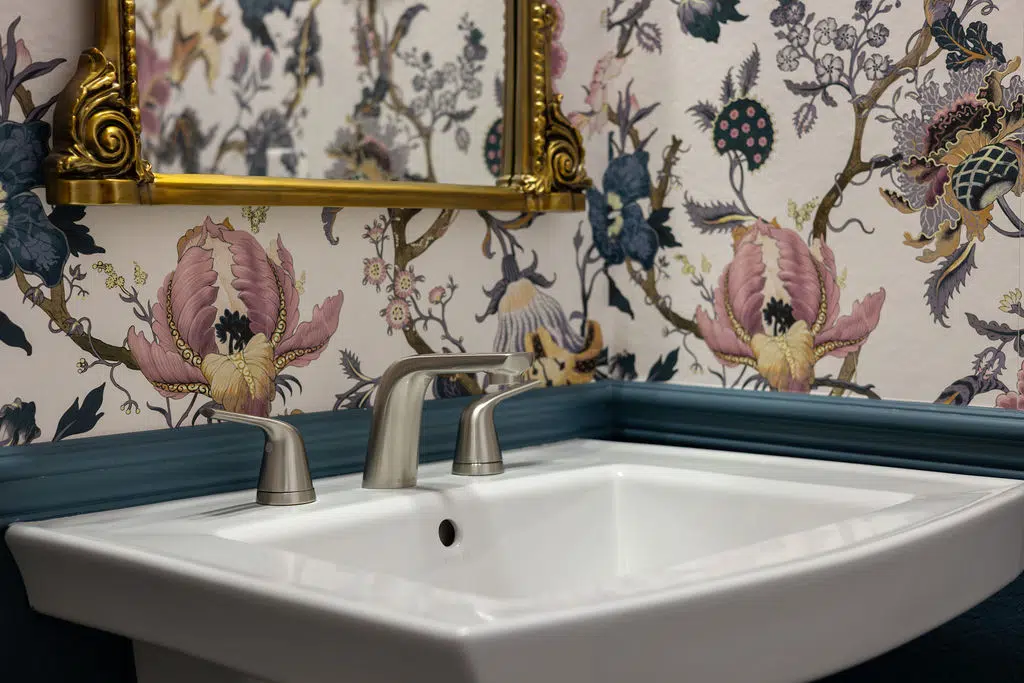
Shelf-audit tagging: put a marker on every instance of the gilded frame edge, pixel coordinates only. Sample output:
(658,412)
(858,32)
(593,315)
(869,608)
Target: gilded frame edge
(97,151)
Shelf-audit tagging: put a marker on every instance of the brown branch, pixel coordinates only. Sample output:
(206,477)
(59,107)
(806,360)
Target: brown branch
(437,231)
(855,165)
(649,286)
(405,252)
(670,158)
(847,373)
(24,98)
(55,308)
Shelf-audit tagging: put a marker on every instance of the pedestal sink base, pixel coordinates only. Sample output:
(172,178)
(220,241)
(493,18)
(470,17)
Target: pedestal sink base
(159,665)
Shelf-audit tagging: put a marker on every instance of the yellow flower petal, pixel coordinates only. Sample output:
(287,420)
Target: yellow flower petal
(786,361)
(244,378)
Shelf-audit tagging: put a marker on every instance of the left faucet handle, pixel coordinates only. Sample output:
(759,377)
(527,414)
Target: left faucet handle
(284,471)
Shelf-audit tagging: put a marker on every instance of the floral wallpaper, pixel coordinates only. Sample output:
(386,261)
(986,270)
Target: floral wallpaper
(393,90)
(819,197)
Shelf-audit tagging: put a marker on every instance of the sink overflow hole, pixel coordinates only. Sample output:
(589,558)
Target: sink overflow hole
(447,532)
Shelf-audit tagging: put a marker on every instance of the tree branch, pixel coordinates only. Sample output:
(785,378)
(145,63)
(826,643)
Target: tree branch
(843,384)
(405,252)
(57,311)
(855,165)
(650,288)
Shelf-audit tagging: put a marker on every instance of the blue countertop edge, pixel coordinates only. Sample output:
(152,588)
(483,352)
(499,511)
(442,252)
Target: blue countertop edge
(40,481)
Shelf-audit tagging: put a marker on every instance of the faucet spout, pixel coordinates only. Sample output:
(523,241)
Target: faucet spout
(392,456)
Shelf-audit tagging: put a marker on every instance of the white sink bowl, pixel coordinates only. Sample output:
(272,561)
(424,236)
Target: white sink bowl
(586,562)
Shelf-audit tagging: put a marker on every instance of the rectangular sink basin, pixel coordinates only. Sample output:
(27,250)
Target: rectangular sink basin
(564,533)
(586,562)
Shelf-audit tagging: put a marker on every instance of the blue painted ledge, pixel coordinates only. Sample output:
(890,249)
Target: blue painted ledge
(84,475)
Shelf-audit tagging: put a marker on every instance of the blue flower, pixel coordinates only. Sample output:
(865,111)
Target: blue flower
(18,423)
(620,229)
(28,240)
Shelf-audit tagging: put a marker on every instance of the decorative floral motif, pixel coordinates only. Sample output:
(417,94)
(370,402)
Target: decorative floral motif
(396,314)
(777,308)
(370,150)
(18,423)
(703,18)
(375,272)
(619,227)
(28,240)
(403,285)
(532,320)
(961,158)
(1013,400)
(154,85)
(608,68)
(744,126)
(226,321)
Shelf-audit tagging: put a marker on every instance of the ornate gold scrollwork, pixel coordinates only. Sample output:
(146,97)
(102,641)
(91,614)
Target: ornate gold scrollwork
(97,152)
(557,147)
(100,135)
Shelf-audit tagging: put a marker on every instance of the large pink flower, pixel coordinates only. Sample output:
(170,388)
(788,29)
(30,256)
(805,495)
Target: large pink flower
(777,308)
(227,321)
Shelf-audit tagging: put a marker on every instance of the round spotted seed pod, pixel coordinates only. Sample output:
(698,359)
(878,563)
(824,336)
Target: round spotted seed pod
(745,126)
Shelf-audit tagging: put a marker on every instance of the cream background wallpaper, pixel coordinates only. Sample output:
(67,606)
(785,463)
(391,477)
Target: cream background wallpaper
(907,354)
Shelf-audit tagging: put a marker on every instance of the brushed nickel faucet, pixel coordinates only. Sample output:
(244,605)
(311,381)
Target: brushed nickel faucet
(392,456)
(284,472)
(477,451)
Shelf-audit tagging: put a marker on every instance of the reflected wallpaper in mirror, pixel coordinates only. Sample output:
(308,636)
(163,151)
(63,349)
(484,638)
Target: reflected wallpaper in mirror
(345,89)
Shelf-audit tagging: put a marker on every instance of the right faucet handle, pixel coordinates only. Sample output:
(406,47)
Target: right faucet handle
(477,451)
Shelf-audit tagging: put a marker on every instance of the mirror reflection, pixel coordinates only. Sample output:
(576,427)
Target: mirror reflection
(345,89)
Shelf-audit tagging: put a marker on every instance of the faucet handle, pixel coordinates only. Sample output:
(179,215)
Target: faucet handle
(284,472)
(477,451)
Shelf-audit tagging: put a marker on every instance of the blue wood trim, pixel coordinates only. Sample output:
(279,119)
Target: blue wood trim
(918,436)
(109,472)
(85,475)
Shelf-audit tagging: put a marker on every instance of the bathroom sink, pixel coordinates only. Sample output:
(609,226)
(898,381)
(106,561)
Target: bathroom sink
(586,562)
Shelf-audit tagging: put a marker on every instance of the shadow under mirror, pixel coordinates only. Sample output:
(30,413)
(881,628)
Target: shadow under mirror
(372,90)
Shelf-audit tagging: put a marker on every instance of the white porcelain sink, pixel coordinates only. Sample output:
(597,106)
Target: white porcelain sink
(586,562)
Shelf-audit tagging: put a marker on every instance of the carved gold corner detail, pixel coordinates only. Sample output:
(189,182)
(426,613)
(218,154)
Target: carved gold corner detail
(557,147)
(97,123)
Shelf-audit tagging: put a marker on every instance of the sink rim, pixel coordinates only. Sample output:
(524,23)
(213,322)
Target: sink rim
(108,533)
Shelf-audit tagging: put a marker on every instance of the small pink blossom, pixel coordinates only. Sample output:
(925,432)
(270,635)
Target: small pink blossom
(22,56)
(1013,400)
(404,284)
(375,272)
(436,295)
(396,315)
(608,68)
(375,231)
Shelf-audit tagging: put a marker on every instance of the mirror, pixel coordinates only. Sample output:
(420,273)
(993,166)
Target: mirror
(366,90)
(307,102)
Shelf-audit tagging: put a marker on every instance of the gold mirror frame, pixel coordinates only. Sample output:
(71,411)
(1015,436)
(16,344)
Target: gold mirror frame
(97,155)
